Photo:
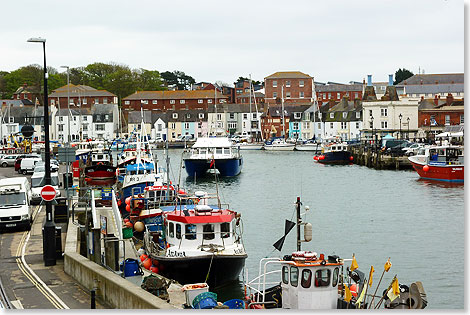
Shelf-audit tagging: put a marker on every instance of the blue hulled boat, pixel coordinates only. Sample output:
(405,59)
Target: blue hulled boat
(335,153)
(214,153)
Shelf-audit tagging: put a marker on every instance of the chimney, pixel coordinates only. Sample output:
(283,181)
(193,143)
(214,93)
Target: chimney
(449,99)
(435,100)
(390,79)
(437,82)
(369,80)
(422,98)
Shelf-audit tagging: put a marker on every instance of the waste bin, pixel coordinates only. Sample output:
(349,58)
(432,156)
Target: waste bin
(67,180)
(61,213)
(58,242)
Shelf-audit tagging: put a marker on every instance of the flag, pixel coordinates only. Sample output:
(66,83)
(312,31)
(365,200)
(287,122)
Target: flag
(388,264)
(353,264)
(347,293)
(394,291)
(212,163)
(288,227)
(371,273)
(361,297)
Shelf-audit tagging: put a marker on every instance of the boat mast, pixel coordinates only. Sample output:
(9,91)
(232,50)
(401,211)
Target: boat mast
(250,111)
(315,102)
(256,109)
(282,112)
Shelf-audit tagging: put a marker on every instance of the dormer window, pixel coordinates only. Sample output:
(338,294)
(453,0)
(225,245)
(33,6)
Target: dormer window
(175,115)
(182,101)
(297,115)
(172,101)
(201,115)
(154,101)
(188,116)
(332,115)
(345,115)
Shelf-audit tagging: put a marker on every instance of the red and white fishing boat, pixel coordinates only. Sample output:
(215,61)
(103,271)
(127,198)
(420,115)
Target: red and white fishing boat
(99,165)
(440,162)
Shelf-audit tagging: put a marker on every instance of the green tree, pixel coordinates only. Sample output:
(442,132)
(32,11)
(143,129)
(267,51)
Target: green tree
(401,75)
(181,80)
(149,80)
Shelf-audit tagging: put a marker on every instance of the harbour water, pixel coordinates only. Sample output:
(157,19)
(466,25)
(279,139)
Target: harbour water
(353,209)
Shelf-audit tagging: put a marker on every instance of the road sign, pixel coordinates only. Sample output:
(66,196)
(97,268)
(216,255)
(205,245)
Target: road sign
(48,193)
(65,154)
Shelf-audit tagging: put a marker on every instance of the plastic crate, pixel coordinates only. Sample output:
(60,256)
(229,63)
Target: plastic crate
(193,290)
(127,232)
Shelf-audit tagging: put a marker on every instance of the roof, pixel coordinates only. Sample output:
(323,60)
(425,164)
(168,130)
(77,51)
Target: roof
(18,103)
(442,78)
(135,117)
(100,109)
(79,91)
(170,95)
(288,75)
(338,87)
(275,111)
(435,88)
(206,142)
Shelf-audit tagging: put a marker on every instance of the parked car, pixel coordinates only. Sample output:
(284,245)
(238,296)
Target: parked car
(38,182)
(40,166)
(184,138)
(28,164)
(413,149)
(19,158)
(8,160)
(391,143)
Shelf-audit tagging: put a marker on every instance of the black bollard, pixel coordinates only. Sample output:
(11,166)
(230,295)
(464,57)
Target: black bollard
(93,299)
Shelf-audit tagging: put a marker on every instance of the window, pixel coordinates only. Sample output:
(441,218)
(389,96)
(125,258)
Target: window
(61,118)
(335,277)
(357,125)
(332,115)
(208,231)
(371,125)
(253,115)
(383,112)
(301,94)
(297,115)
(171,229)
(178,231)
(447,119)
(232,125)
(294,276)
(274,83)
(306,280)
(345,114)
(127,102)
(338,95)
(173,125)
(201,115)
(322,278)
(61,127)
(52,101)
(188,116)
(106,117)
(225,229)
(97,100)
(186,125)
(85,127)
(329,95)
(301,83)
(343,125)
(84,100)
(175,115)
(200,101)
(287,94)
(105,101)
(154,101)
(182,101)
(288,83)
(274,94)
(319,125)
(172,101)
(358,114)
(219,116)
(461,119)
(356,95)
(384,124)
(370,112)
(245,116)
(285,274)
(99,127)
(331,125)
(295,125)
(190,231)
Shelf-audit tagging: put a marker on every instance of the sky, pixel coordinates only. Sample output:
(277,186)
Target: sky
(210,40)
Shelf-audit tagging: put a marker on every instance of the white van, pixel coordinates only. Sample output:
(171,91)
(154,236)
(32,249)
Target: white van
(15,208)
(38,181)
(28,164)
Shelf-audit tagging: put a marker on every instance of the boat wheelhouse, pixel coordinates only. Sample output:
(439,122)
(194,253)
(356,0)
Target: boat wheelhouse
(440,162)
(214,153)
(99,164)
(335,153)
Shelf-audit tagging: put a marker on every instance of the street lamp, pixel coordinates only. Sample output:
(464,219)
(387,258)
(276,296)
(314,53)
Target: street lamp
(373,133)
(408,121)
(48,241)
(400,117)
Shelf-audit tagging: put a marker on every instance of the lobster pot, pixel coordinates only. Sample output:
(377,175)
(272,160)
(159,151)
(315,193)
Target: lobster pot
(193,290)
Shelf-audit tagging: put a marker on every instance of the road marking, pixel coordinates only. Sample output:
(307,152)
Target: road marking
(31,275)
(17,304)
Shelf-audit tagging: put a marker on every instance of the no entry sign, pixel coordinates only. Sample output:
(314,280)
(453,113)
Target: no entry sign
(48,193)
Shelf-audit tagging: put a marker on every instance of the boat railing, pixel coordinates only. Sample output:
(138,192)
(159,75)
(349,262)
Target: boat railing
(212,246)
(261,285)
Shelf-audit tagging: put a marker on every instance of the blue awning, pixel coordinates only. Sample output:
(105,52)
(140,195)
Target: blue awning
(140,166)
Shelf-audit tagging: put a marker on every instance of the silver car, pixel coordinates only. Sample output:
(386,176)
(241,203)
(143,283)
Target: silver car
(8,160)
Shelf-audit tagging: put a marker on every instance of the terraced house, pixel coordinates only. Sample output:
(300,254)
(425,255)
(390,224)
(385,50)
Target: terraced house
(294,86)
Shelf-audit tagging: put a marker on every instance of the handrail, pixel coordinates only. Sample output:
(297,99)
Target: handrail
(96,224)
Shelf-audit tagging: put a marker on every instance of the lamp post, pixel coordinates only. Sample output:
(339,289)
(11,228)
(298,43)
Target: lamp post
(400,117)
(373,134)
(49,250)
(408,121)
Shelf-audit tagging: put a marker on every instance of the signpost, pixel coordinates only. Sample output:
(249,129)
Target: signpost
(48,193)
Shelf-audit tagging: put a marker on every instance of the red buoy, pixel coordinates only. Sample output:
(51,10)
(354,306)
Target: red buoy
(147,263)
(128,208)
(351,158)
(154,269)
(321,157)
(315,158)
(143,257)
(425,168)
(128,200)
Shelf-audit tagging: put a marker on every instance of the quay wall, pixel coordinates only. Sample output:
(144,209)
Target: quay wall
(378,160)
(110,287)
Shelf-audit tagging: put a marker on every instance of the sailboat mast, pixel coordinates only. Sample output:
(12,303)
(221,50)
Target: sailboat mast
(282,112)
(257,119)
(315,102)
(250,110)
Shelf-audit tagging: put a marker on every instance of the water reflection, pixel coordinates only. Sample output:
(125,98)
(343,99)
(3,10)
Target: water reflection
(228,291)
(437,183)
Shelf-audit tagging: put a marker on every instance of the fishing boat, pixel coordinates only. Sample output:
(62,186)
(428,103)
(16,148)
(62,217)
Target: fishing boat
(99,165)
(334,152)
(197,240)
(308,280)
(216,153)
(440,162)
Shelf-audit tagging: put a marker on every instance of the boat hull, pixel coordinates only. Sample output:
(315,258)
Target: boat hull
(186,270)
(440,172)
(100,171)
(279,147)
(339,157)
(226,167)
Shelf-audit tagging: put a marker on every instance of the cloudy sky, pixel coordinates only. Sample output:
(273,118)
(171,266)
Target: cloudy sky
(334,40)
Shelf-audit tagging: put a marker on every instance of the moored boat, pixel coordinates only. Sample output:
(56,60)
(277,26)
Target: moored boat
(213,153)
(335,153)
(278,144)
(99,165)
(440,162)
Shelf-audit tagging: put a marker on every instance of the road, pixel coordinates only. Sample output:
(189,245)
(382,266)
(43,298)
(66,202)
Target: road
(27,282)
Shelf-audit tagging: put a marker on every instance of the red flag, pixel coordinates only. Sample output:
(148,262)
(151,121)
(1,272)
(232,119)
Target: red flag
(212,163)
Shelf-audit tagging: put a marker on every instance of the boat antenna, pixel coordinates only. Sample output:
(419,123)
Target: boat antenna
(250,110)
(256,109)
(299,221)
(282,113)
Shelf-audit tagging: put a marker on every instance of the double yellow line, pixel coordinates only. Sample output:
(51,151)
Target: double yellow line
(29,273)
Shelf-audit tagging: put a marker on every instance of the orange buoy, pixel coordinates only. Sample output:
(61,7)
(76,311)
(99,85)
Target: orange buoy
(139,226)
(129,224)
(353,289)
(147,263)
(425,168)
(128,208)
(154,269)
(128,200)
(143,257)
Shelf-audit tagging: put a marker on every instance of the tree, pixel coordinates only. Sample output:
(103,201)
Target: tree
(149,80)
(401,75)
(181,80)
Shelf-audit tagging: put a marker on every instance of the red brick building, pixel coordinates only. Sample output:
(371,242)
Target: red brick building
(297,88)
(26,92)
(175,100)
(244,98)
(435,114)
(81,95)
(335,92)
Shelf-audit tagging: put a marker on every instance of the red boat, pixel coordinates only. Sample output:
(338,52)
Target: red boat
(440,162)
(99,166)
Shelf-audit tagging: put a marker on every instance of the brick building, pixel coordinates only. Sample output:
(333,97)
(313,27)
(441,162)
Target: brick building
(297,88)
(82,95)
(336,92)
(26,92)
(174,100)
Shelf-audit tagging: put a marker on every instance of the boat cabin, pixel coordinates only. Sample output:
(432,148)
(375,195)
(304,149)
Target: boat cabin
(443,155)
(214,148)
(336,147)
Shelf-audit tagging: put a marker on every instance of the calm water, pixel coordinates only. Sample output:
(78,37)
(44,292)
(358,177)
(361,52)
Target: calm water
(353,209)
